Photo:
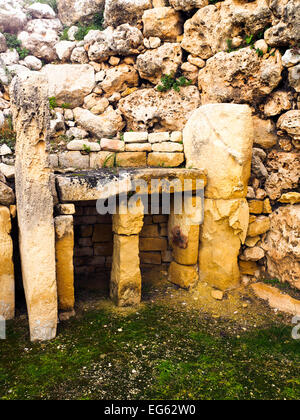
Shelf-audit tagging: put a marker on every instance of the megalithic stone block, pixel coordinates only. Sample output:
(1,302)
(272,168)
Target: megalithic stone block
(30,106)
(184,232)
(64,247)
(7,281)
(184,276)
(126,280)
(219,139)
(223,232)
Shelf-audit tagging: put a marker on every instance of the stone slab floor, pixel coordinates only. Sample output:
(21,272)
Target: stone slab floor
(171,347)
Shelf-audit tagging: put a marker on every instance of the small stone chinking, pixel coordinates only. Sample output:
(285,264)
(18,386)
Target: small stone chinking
(122,86)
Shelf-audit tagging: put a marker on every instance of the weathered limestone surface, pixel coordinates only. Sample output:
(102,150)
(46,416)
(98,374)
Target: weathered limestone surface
(284,172)
(282,244)
(7,196)
(128,223)
(7,280)
(123,40)
(117,12)
(64,247)
(276,299)
(224,230)
(148,108)
(239,77)
(163,60)
(207,32)
(184,231)
(185,276)
(187,5)
(219,138)
(286,29)
(126,281)
(69,83)
(73,11)
(102,184)
(35,203)
(104,125)
(162,22)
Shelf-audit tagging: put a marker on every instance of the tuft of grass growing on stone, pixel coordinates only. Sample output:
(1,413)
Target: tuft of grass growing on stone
(169,81)
(53,103)
(13,43)
(83,30)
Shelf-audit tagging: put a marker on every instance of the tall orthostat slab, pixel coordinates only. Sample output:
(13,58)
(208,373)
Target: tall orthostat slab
(219,138)
(126,280)
(224,230)
(64,248)
(35,203)
(7,281)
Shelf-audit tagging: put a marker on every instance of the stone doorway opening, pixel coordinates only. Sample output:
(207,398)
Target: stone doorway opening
(114,252)
(93,248)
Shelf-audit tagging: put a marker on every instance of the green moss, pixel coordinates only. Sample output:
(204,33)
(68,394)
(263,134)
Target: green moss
(157,352)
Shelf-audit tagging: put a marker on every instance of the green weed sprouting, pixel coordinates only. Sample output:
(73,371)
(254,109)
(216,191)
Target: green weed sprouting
(53,102)
(86,148)
(249,41)
(83,30)
(14,44)
(169,81)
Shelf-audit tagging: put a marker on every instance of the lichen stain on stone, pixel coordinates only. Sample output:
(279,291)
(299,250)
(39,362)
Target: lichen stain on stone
(178,238)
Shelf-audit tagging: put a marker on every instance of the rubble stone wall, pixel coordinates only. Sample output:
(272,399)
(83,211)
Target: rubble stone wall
(107,81)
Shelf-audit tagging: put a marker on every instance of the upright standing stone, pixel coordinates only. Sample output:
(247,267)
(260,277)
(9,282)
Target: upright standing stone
(64,262)
(184,232)
(7,281)
(35,203)
(224,230)
(219,139)
(126,279)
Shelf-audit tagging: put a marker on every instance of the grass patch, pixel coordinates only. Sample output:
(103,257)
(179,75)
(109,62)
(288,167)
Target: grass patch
(7,134)
(156,352)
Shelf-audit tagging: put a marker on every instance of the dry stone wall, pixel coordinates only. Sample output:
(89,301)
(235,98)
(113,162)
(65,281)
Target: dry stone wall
(108,98)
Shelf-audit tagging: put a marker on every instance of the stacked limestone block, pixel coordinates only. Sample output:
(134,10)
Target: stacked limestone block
(219,138)
(126,279)
(130,149)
